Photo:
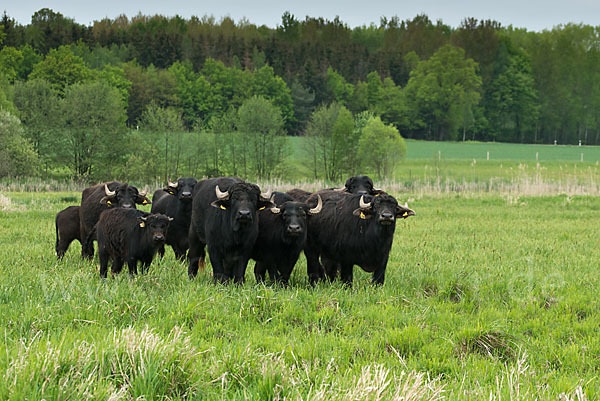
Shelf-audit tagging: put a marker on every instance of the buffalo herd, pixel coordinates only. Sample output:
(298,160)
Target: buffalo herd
(235,221)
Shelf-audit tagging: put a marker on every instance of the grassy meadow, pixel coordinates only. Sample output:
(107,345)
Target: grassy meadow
(490,294)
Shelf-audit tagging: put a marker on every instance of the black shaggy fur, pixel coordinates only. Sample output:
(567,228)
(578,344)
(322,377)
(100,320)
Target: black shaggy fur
(94,201)
(67,229)
(344,235)
(129,236)
(227,227)
(281,238)
(299,195)
(176,202)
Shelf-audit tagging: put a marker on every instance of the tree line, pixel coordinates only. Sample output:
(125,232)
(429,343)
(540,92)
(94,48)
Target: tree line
(479,81)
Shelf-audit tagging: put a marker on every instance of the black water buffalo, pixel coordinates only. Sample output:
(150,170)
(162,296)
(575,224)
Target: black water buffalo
(225,219)
(129,236)
(359,184)
(352,230)
(281,237)
(67,229)
(176,201)
(96,199)
(299,195)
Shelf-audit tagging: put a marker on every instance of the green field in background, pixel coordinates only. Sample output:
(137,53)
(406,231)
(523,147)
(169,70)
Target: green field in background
(500,151)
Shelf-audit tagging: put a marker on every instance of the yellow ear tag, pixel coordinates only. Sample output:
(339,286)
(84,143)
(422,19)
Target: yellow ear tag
(223,207)
(362,215)
(108,202)
(405,213)
(145,202)
(142,224)
(262,208)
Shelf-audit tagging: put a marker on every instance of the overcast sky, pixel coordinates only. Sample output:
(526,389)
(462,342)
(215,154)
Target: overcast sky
(535,15)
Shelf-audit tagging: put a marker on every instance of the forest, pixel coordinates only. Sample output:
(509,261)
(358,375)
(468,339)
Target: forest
(91,100)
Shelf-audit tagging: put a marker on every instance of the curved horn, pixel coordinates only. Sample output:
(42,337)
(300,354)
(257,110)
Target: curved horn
(267,195)
(342,189)
(362,203)
(317,208)
(274,209)
(221,195)
(172,184)
(145,191)
(406,205)
(108,192)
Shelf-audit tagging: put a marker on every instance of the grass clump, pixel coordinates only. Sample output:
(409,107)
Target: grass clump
(489,343)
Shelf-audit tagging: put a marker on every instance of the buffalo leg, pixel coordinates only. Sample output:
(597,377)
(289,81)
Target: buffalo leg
(87,247)
(103,256)
(239,270)
(180,248)
(179,253)
(61,247)
(132,263)
(196,254)
(313,267)
(161,251)
(283,274)
(218,265)
(260,272)
(346,274)
(62,243)
(146,266)
(117,266)
(331,268)
(379,275)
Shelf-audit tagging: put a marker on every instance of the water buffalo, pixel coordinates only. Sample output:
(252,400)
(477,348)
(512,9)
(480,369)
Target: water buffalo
(359,184)
(352,229)
(281,237)
(176,201)
(67,229)
(129,236)
(96,199)
(225,219)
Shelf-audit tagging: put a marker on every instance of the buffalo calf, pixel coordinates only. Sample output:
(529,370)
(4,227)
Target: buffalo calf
(96,199)
(129,236)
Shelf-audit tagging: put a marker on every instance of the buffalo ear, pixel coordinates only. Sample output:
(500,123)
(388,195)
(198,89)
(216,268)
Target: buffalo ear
(220,204)
(363,213)
(404,212)
(169,190)
(265,204)
(142,200)
(107,200)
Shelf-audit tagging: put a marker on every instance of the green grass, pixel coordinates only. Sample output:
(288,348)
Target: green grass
(487,296)
(458,163)
(500,151)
